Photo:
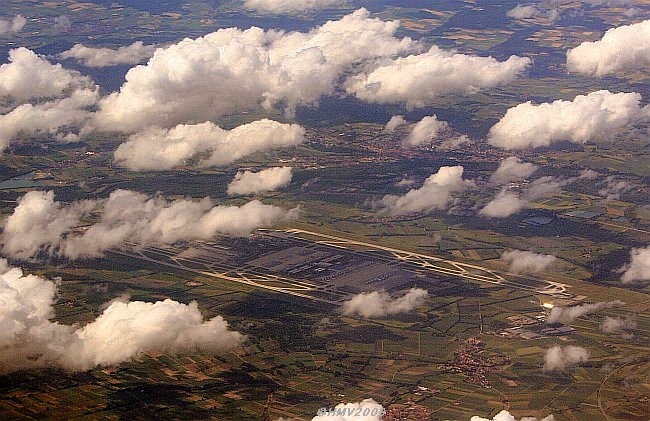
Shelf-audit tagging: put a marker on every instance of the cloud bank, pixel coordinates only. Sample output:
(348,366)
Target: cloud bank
(569,314)
(436,193)
(596,115)
(29,339)
(158,149)
(381,304)
(527,261)
(104,57)
(560,358)
(39,224)
(621,49)
(638,269)
(270,179)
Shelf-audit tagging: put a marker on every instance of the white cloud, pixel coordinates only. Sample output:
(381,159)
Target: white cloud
(596,115)
(614,188)
(559,358)
(394,122)
(527,261)
(29,339)
(504,415)
(270,179)
(290,6)
(638,269)
(510,169)
(621,49)
(532,11)
(417,80)
(40,224)
(231,70)
(425,131)
(454,143)
(381,304)
(436,193)
(161,149)
(569,314)
(12,26)
(28,76)
(103,57)
(504,204)
(366,410)
(618,324)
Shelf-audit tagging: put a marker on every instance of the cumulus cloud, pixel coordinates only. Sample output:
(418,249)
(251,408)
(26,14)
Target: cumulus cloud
(436,193)
(290,6)
(613,188)
(103,57)
(40,224)
(394,122)
(569,314)
(596,115)
(504,415)
(418,79)
(510,169)
(638,269)
(621,49)
(381,304)
(532,11)
(50,99)
(504,204)
(232,70)
(354,411)
(161,149)
(28,76)
(527,261)
(619,325)
(560,358)
(12,26)
(455,143)
(29,339)
(424,131)
(270,179)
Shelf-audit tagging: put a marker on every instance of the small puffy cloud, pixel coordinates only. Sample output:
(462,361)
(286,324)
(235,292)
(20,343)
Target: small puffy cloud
(366,410)
(290,6)
(527,261)
(418,79)
(506,416)
(613,188)
(569,314)
(532,11)
(454,143)
(436,193)
(28,76)
(621,49)
(587,117)
(29,339)
(504,204)
(510,169)
(638,269)
(160,149)
(103,57)
(40,224)
(560,358)
(394,122)
(270,179)
(381,304)
(62,23)
(425,131)
(12,26)
(619,324)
